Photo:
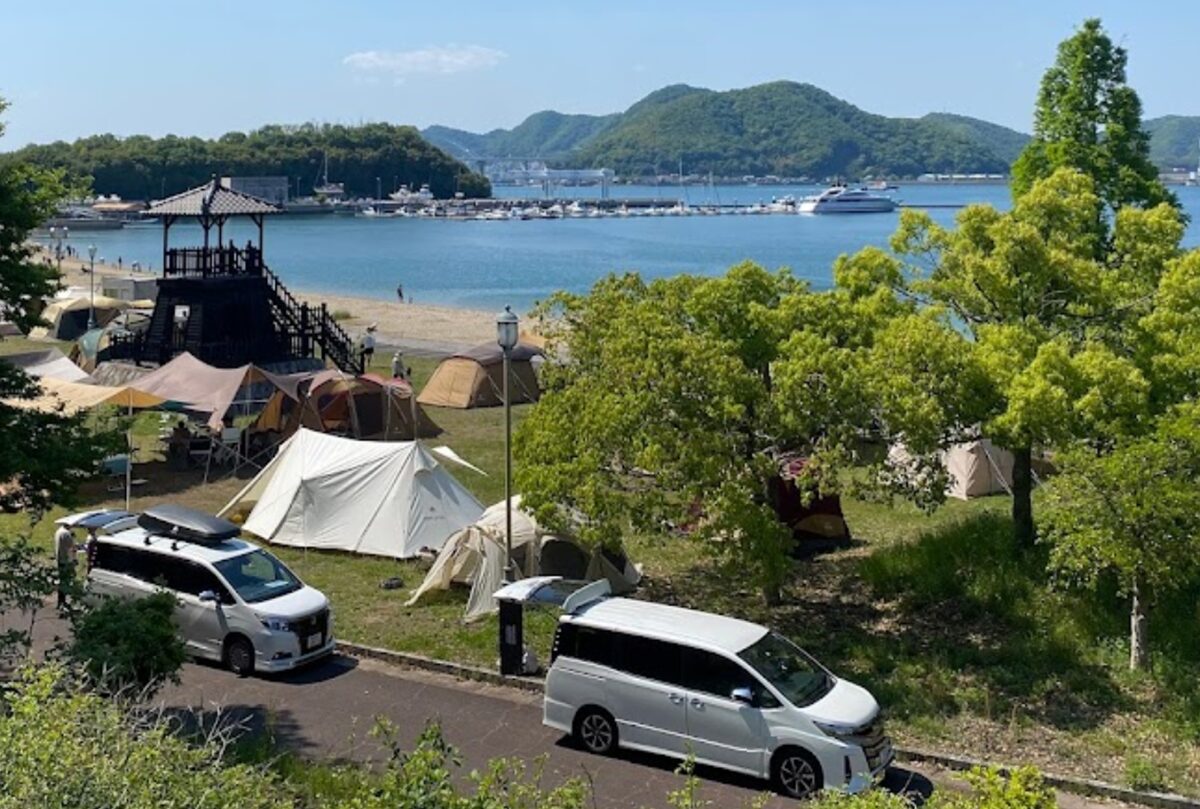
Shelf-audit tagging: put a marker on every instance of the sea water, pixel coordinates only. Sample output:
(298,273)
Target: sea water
(487,264)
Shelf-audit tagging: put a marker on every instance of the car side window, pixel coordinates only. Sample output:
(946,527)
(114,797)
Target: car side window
(717,675)
(652,659)
(584,643)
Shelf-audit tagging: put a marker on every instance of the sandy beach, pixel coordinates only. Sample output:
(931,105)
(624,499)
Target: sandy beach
(420,328)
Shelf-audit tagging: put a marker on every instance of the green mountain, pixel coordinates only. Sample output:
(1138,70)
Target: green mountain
(1005,143)
(546,135)
(1174,141)
(781,128)
(141,167)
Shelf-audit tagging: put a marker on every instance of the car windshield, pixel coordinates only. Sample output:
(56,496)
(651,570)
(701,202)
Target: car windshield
(783,664)
(258,576)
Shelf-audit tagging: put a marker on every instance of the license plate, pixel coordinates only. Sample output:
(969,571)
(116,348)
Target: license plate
(314,640)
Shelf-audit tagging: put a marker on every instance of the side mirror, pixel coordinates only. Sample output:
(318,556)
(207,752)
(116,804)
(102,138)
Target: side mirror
(208,597)
(743,695)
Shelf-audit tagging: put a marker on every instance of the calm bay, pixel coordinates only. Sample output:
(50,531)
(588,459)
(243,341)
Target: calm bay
(487,264)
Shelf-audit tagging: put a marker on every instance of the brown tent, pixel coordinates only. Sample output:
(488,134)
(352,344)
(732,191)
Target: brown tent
(816,524)
(475,378)
(367,407)
(212,390)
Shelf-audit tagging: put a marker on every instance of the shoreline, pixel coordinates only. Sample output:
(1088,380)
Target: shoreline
(415,327)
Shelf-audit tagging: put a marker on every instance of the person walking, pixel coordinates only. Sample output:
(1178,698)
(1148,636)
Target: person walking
(64,555)
(400,292)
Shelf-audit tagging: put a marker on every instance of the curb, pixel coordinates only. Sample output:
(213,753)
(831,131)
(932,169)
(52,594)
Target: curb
(1078,786)
(416,661)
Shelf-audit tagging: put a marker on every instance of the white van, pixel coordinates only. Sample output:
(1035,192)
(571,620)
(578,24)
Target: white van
(672,681)
(236,603)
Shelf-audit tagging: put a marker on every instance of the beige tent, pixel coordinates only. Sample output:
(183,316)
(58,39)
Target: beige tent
(976,468)
(385,498)
(474,556)
(68,318)
(210,389)
(475,378)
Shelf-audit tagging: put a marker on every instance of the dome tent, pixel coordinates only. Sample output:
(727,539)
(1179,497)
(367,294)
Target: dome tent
(976,468)
(475,378)
(374,497)
(474,556)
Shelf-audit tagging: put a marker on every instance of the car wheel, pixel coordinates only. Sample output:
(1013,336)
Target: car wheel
(239,656)
(596,731)
(796,773)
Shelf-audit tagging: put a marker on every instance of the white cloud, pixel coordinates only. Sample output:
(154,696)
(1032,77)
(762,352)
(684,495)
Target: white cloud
(442,60)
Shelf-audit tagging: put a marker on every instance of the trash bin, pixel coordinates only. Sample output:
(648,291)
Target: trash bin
(512,637)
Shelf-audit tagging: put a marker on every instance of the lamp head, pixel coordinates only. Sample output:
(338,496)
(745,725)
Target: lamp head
(91,251)
(507,329)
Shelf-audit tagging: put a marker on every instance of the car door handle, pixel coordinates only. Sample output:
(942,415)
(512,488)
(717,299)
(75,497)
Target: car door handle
(675,698)
(697,703)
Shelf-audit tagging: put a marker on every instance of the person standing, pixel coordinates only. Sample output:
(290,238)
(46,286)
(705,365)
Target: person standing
(400,292)
(64,555)
(398,369)
(368,345)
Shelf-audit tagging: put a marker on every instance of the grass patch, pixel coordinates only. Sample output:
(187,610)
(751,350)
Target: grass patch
(341,314)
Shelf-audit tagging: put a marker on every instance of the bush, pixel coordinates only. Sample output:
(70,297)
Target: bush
(1143,774)
(1023,788)
(129,644)
(341,314)
(61,745)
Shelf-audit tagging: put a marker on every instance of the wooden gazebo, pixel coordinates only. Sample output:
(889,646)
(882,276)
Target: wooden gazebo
(222,304)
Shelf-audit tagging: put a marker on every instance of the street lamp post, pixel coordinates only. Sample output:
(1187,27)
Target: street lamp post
(506,335)
(92,273)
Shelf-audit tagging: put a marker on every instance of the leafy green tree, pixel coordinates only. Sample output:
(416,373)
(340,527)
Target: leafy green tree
(1132,512)
(1041,334)
(679,395)
(129,644)
(1089,119)
(46,454)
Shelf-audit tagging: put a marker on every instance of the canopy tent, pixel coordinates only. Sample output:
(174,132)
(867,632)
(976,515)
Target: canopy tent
(475,556)
(68,318)
(71,397)
(373,497)
(49,362)
(475,378)
(367,407)
(976,468)
(210,389)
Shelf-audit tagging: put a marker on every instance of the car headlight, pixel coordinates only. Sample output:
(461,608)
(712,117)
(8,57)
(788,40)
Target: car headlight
(841,732)
(276,624)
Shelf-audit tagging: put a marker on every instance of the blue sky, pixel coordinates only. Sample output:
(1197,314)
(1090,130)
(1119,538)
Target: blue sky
(76,68)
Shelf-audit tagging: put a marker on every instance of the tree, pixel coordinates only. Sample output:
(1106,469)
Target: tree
(680,394)
(46,454)
(1133,512)
(129,644)
(1087,118)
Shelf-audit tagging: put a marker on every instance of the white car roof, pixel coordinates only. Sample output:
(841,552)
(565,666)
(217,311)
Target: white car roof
(664,622)
(195,551)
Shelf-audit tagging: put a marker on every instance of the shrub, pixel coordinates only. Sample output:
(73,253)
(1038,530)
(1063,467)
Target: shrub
(61,745)
(341,314)
(129,644)
(1143,774)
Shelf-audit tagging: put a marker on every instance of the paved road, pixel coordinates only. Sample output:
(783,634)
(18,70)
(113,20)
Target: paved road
(328,711)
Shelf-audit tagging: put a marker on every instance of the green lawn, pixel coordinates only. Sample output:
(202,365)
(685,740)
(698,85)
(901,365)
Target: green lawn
(961,638)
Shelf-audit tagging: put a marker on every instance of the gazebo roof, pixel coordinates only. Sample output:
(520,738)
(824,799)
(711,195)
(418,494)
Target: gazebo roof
(212,199)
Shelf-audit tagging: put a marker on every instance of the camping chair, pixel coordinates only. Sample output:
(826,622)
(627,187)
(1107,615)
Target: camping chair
(115,468)
(228,448)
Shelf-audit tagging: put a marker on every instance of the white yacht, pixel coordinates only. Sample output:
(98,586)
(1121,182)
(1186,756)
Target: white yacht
(840,199)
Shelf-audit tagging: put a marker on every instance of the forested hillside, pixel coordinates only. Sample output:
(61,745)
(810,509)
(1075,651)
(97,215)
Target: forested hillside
(1174,141)
(141,167)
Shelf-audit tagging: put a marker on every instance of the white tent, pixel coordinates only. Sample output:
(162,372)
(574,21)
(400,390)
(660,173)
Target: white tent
(976,468)
(475,556)
(376,497)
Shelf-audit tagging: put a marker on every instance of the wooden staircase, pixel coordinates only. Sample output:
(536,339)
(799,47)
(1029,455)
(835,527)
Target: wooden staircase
(238,311)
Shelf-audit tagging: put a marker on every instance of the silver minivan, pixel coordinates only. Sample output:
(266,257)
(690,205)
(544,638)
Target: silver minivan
(733,694)
(236,604)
